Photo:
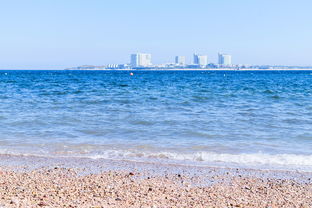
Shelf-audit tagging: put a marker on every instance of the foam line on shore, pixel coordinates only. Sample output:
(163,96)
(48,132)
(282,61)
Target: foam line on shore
(246,160)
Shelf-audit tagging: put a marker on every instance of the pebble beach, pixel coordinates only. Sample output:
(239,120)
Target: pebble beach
(130,184)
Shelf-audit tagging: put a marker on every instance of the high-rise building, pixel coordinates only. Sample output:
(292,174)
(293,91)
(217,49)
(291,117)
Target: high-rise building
(200,60)
(141,60)
(180,60)
(225,59)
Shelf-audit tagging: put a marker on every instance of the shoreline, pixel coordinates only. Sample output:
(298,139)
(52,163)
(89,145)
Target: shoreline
(74,182)
(96,165)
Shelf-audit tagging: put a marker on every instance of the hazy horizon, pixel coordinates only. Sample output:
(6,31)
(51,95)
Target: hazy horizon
(57,34)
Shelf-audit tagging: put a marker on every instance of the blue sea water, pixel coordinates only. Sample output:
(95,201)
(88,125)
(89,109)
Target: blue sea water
(258,119)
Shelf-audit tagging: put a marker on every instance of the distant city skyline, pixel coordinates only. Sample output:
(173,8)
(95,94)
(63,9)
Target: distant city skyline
(143,61)
(59,34)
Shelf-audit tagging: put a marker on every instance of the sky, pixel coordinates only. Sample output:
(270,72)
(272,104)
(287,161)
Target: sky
(56,34)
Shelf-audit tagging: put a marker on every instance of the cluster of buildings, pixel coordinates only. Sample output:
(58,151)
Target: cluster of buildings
(143,60)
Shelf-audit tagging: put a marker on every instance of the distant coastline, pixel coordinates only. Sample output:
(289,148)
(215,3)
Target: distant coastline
(164,69)
(191,69)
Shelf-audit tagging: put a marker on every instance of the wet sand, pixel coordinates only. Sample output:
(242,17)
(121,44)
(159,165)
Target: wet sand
(75,182)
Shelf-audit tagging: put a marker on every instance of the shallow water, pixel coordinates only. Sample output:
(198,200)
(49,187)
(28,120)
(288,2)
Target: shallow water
(223,118)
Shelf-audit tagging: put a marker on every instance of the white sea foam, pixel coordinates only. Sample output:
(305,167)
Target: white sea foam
(261,160)
(246,159)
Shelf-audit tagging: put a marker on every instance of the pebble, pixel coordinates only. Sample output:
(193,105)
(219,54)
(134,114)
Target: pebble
(64,188)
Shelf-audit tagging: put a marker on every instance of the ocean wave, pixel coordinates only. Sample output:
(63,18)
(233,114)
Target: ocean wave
(201,158)
(211,157)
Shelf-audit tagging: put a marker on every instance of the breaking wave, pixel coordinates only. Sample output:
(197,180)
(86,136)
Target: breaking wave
(284,161)
(297,162)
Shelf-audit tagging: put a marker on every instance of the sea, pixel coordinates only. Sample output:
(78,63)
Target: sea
(249,119)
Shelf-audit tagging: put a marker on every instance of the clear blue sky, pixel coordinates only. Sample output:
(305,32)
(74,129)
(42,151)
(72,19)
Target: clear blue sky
(62,33)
